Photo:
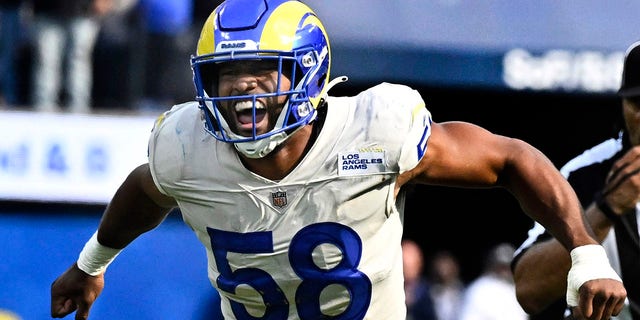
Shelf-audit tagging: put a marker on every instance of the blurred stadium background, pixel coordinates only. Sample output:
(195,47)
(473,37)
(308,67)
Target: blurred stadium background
(543,71)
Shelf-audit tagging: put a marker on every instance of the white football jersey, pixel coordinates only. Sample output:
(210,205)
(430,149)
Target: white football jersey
(324,242)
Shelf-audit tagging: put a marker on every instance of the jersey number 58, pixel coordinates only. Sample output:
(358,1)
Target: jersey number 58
(314,279)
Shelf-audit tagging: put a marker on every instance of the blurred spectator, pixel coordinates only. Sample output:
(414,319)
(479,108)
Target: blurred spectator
(416,288)
(118,57)
(167,44)
(492,296)
(124,53)
(11,33)
(65,32)
(447,287)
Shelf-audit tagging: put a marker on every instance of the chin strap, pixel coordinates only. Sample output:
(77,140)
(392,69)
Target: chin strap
(334,82)
(260,148)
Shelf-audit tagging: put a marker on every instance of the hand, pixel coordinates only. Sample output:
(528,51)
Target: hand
(600,299)
(75,289)
(622,189)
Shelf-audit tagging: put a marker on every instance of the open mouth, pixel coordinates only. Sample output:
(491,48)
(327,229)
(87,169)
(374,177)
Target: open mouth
(244,114)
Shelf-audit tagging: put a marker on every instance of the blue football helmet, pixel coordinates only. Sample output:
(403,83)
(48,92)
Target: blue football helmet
(285,31)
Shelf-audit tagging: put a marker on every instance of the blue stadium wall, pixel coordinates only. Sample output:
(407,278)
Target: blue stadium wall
(162,275)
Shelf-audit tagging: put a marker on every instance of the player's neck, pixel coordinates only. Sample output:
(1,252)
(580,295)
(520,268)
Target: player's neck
(281,161)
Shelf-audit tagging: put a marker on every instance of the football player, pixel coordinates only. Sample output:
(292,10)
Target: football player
(295,194)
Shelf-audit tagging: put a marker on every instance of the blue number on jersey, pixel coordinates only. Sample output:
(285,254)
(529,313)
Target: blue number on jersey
(314,279)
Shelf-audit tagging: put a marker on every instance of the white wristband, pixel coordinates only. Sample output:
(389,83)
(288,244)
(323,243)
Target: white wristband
(588,262)
(95,258)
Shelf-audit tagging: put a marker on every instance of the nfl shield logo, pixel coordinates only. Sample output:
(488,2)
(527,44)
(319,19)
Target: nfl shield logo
(279,199)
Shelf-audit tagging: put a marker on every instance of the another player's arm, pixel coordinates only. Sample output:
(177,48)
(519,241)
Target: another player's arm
(136,207)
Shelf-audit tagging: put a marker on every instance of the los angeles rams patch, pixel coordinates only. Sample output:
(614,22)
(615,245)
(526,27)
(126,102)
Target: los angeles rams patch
(361,162)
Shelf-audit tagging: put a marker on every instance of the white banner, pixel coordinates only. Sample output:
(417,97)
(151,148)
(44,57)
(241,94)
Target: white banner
(69,157)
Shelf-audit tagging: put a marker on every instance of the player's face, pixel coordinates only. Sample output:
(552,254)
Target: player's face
(248,78)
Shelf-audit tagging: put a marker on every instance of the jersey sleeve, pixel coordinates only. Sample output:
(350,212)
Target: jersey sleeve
(402,114)
(169,138)
(415,145)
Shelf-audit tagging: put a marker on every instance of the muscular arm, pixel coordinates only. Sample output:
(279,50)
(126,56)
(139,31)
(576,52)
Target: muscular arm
(541,273)
(465,155)
(136,207)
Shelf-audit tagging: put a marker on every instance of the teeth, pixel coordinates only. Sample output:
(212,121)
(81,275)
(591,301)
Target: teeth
(247,105)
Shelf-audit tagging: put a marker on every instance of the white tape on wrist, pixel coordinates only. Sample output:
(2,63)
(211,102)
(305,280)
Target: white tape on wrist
(588,262)
(95,258)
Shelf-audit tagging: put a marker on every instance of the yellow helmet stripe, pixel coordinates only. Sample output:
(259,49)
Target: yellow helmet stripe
(206,42)
(279,31)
